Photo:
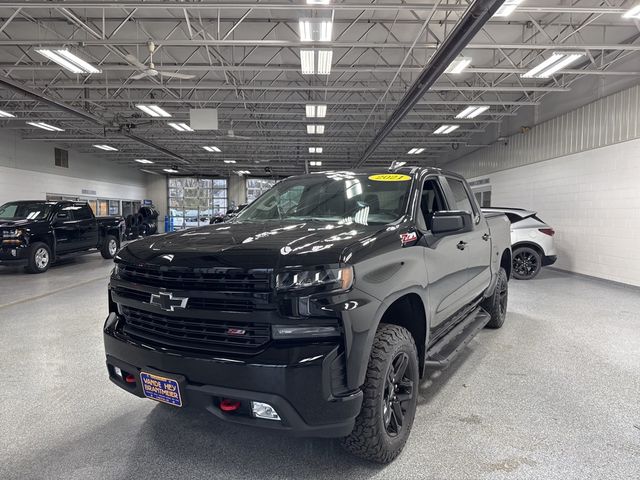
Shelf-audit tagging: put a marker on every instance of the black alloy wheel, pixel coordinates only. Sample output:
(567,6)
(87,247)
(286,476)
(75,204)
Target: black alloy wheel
(397,396)
(526,263)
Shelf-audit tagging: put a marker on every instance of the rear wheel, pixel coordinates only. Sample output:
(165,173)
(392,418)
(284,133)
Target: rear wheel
(39,258)
(109,247)
(526,263)
(390,395)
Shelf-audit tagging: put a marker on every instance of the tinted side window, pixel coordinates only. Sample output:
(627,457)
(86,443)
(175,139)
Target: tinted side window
(82,213)
(460,194)
(513,218)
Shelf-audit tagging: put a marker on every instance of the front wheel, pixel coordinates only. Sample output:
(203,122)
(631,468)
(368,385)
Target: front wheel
(109,247)
(390,395)
(496,304)
(526,263)
(39,258)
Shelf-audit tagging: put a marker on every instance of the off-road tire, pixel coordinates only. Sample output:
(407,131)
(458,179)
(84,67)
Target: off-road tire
(107,250)
(40,258)
(496,304)
(370,439)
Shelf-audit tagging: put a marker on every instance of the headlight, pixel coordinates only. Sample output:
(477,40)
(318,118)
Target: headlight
(13,233)
(340,278)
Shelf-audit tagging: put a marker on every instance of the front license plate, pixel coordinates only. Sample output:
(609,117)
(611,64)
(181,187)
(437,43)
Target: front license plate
(161,389)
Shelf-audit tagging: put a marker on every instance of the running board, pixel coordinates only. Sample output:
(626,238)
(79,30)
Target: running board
(444,350)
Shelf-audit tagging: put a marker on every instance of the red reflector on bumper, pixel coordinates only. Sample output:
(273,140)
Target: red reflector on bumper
(228,405)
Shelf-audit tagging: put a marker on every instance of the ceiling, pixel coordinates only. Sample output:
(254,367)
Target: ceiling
(245,61)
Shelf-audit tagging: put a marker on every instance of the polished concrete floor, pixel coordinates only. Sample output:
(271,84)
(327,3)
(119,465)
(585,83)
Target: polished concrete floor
(554,394)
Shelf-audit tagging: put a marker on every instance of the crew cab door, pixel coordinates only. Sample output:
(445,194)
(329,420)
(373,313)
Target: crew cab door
(478,241)
(87,227)
(446,259)
(65,229)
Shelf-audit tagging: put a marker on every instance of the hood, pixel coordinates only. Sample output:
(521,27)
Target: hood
(249,245)
(17,222)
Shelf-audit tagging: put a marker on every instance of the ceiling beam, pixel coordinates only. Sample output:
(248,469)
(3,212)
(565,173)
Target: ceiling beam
(199,42)
(208,5)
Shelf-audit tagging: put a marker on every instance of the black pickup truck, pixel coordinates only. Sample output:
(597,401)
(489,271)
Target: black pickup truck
(317,309)
(36,232)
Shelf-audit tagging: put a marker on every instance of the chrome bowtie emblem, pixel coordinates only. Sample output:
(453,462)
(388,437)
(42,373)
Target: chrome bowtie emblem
(166,301)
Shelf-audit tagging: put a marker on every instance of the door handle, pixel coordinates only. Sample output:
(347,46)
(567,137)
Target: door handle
(461,245)
(486,237)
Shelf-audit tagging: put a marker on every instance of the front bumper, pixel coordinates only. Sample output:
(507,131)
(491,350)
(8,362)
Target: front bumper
(297,380)
(12,255)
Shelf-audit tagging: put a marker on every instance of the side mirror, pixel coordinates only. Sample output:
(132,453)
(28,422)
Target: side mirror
(451,222)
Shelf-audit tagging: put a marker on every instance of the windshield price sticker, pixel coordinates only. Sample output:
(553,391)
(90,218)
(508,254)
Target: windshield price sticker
(389,177)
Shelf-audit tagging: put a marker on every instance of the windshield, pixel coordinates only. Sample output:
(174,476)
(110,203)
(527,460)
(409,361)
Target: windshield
(340,197)
(29,210)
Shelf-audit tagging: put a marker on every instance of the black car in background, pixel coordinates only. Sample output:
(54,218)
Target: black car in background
(36,232)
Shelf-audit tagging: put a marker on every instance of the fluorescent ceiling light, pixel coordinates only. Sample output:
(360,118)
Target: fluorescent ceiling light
(551,65)
(307,62)
(315,30)
(107,148)
(170,170)
(45,126)
(458,65)
(243,172)
(415,151)
(4,114)
(308,59)
(633,12)
(143,160)
(473,111)
(324,61)
(212,149)
(68,60)
(318,2)
(316,111)
(444,129)
(315,149)
(229,161)
(315,129)
(315,163)
(154,110)
(507,8)
(181,127)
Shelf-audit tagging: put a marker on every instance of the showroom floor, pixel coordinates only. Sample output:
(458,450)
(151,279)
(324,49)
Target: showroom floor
(553,394)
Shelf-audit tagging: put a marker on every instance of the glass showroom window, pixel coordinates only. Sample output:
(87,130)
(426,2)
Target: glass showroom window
(193,201)
(257,186)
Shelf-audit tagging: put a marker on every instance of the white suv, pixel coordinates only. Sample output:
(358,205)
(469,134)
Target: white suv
(531,242)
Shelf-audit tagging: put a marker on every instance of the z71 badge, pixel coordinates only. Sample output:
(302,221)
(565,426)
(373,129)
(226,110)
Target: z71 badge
(408,238)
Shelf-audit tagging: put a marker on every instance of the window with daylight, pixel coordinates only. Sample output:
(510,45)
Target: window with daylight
(193,201)
(257,186)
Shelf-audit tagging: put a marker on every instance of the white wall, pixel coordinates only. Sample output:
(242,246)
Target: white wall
(591,199)
(28,171)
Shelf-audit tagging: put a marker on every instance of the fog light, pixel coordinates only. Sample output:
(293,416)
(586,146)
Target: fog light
(14,252)
(117,371)
(264,410)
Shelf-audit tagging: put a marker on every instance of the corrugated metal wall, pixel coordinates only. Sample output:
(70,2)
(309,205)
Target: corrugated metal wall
(610,120)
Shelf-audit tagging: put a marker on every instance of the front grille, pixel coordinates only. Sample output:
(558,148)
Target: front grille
(195,303)
(194,334)
(212,279)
